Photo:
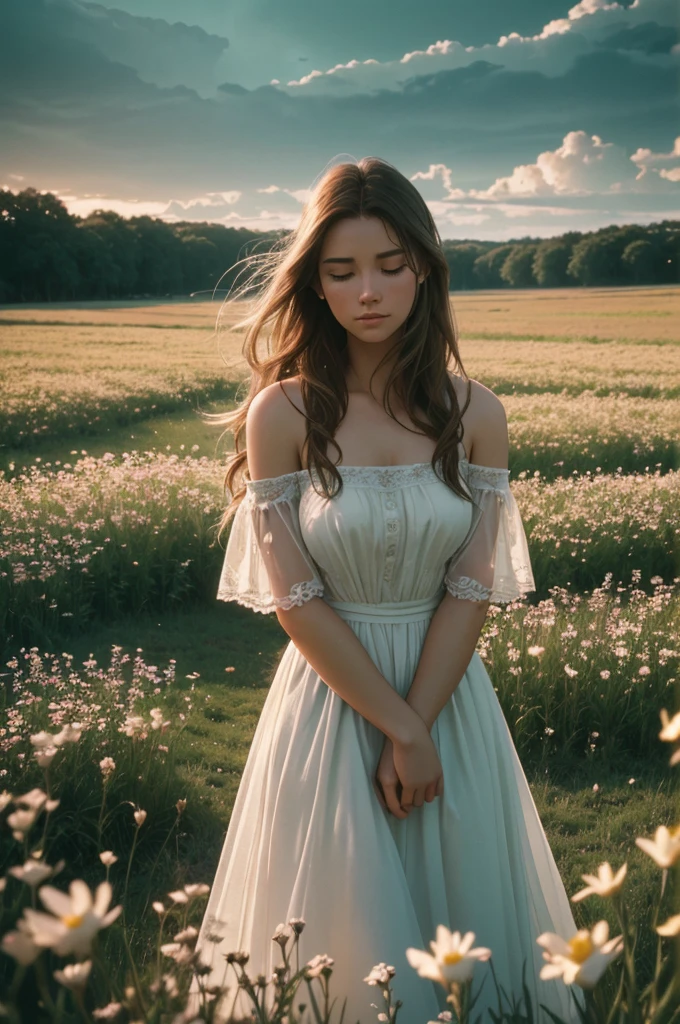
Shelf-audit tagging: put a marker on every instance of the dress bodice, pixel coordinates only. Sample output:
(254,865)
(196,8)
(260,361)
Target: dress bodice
(387,535)
(391,534)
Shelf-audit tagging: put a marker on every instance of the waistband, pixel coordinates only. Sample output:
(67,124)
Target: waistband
(387,611)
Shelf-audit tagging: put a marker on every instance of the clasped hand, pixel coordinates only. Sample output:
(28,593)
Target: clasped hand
(408,774)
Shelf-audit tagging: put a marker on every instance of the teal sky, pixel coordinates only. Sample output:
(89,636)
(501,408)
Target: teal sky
(510,118)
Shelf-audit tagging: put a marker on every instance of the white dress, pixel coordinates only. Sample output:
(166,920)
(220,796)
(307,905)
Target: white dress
(307,836)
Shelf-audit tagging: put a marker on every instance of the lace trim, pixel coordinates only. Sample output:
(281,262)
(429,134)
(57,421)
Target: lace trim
(266,603)
(299,593)
(275,488)
(471,590)
(496,478)
(468,588)
(387,477)
(287,485)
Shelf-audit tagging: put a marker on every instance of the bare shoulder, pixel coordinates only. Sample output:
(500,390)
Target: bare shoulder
(275,430)
(485,424)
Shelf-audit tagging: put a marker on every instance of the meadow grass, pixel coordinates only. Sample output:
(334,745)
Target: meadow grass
(107,544)
(592,807)
(92,539)
(77,372)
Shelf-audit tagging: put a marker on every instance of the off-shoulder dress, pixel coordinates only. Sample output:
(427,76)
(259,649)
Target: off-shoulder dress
(308,837)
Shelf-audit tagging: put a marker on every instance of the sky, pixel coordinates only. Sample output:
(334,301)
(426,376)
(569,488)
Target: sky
(530,117)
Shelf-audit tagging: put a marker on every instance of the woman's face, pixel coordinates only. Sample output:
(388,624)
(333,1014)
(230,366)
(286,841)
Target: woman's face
(362,270)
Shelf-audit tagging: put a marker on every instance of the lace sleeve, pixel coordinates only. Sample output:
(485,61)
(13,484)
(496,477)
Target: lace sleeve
(266,564)
(492,563)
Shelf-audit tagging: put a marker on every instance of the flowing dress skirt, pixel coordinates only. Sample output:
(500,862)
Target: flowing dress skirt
(309,839)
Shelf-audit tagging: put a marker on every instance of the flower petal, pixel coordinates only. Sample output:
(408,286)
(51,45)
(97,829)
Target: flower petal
(425,965)
(56,901)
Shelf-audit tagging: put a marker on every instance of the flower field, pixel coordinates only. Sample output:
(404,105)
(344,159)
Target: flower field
(130,697)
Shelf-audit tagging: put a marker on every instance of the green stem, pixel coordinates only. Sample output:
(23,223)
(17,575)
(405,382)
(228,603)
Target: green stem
(133,966)
(632,999)
(43,988)
(61,999)
(100,822)
(78,997)
(157,858)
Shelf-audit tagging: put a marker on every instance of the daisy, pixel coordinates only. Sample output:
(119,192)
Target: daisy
(452,958)
(664,848)
(75,918)
(583,958)
(605,883)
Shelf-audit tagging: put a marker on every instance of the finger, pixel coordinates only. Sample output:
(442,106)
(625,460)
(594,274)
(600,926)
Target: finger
(407,797)
(440,786)
(393,803)
(418,797)
(378,793)
(431,792)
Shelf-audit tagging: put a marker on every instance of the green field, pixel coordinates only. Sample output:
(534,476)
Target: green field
(110,492)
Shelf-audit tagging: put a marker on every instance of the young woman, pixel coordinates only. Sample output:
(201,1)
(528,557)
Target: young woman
(382,794)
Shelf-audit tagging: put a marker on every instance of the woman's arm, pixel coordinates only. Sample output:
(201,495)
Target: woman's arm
(455,627)
(449,645)
(325,640)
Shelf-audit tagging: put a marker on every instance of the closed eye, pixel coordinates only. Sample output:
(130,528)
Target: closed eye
(344,277)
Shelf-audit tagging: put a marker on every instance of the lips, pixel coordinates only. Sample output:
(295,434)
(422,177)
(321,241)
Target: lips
(373,316)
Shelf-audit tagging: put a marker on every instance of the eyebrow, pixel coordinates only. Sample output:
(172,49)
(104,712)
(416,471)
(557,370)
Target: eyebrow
(350,259)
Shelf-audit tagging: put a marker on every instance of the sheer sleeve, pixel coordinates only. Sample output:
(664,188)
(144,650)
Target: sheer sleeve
(492,563)
(266,564)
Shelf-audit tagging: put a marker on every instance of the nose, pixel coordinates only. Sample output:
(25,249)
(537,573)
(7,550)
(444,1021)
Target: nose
(369,291)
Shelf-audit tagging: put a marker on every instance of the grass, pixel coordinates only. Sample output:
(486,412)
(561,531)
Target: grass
(583,827)
(594,454)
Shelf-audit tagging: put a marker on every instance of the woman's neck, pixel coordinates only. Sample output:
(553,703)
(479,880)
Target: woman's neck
(361,376)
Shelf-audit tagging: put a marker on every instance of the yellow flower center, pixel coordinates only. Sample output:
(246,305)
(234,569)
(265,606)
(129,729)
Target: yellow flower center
(580,947)
(452,958)
(73,920)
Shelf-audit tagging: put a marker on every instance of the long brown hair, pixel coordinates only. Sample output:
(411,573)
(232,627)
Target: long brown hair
(307,341)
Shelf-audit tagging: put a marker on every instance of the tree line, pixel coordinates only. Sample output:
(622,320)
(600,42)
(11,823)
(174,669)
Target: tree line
(48,254)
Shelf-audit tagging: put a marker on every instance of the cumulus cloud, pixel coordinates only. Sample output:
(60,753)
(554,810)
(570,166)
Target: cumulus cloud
(583,165)
(647,162)
(81,115)
(587,27)
(440,176)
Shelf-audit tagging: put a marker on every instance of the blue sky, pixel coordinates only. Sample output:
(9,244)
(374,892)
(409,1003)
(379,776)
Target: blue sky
(510,118)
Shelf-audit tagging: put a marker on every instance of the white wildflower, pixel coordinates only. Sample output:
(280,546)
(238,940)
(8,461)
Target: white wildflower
(74,918)
(664,848)
(452,959)
(74,976)
(583,959)
(605,883)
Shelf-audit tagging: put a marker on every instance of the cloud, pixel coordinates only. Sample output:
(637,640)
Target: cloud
(80,116)
(300,195)
(160,53)
(83,206)
(583,165)
(646,160)
(441,173)
(588,25)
